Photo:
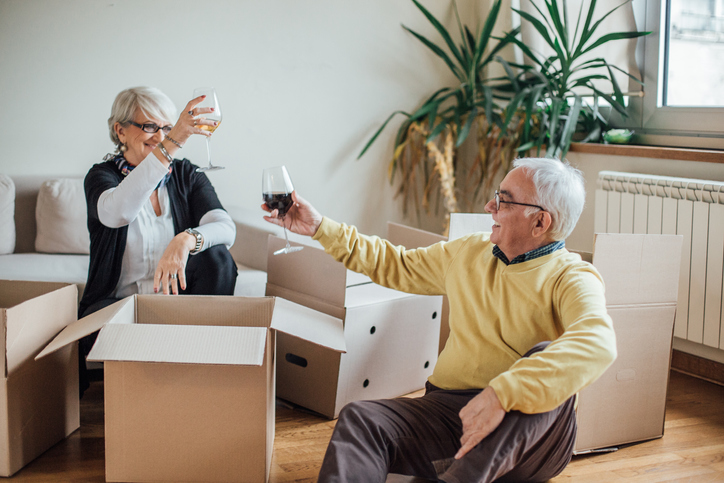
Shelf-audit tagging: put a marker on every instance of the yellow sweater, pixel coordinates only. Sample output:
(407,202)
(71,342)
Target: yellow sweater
(497,313)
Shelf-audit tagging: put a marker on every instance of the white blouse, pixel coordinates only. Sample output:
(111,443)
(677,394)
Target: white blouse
(129,204)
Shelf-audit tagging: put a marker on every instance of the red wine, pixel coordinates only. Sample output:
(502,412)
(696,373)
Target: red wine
(278,201)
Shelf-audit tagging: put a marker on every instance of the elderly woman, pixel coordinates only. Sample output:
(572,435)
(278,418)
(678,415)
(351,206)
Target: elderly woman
(155,223)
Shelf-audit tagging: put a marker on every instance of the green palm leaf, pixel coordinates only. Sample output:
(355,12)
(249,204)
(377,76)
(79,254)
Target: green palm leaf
(441,30)
(440,53)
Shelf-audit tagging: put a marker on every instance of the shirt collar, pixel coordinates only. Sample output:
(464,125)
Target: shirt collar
(533,254)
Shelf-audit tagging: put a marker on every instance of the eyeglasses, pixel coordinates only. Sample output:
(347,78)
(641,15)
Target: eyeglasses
(151,128)
(498,201)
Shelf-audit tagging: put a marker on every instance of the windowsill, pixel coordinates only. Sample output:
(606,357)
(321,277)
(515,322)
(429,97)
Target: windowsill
(658,152)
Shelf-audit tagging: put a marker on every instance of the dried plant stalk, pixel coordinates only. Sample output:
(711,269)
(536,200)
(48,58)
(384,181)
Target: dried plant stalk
(428,171)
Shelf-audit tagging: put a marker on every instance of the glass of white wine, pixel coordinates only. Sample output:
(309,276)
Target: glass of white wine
(211,101)
(276,188)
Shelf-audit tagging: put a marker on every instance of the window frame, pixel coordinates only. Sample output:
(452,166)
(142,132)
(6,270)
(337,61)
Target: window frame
(654,123)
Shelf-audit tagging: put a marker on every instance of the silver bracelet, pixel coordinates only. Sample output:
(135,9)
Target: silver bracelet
(164,152)
(173,141)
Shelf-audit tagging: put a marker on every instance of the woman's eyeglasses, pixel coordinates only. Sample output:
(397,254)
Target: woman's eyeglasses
(151,128)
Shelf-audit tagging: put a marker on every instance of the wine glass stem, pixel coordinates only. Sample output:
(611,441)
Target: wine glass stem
(287,238)
(208,150)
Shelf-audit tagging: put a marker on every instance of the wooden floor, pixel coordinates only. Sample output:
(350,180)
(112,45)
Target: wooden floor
(692,449)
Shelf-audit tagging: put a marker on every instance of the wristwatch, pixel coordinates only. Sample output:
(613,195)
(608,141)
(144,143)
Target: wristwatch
(199,240)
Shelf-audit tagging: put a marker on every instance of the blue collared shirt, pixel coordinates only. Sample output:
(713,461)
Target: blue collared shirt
(538,252)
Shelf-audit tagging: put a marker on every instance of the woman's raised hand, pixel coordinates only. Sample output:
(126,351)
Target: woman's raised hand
(302,218)
(189,121)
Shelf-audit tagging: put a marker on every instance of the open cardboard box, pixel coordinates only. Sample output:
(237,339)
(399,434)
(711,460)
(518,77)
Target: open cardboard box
(391,337)
(627,403)
(189,382)
(39,399)
(641,274)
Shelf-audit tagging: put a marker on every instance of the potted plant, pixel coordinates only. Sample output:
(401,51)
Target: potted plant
(524,111)
(427,141)
(558,85)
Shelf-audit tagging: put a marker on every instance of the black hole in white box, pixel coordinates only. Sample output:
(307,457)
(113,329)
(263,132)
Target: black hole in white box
(373,329)
(427,364)
(366,383)
(434,315)
(296,360)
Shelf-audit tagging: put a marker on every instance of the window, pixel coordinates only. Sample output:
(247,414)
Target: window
(683,66)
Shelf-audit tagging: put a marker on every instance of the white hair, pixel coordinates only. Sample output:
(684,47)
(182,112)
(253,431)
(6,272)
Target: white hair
(560,189)
(153,103)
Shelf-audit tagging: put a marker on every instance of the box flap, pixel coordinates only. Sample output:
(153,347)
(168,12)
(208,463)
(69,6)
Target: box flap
(31,325)
(462,224)
(410,237)
(308,324)
(306,300)
(123,309)
(310,272)
(14,292)
(191,344)
(638,269)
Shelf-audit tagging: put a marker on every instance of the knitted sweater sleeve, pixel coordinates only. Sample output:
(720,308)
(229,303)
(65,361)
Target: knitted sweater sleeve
(419,271)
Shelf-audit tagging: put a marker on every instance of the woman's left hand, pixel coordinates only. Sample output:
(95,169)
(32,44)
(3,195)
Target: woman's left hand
(171,269)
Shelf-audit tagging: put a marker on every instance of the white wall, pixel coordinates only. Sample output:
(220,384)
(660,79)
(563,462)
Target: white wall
(301,82)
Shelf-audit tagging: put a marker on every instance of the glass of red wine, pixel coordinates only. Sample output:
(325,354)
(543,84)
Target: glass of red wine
(276,187)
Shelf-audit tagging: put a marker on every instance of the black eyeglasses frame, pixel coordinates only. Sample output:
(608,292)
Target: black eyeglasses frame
(151,125)
(498,201)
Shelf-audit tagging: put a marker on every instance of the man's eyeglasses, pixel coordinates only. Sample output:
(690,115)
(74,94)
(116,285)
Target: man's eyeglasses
(151,128)
(498,201)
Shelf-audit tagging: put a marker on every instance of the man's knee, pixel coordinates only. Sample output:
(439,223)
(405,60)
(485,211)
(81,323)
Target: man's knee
(357,411)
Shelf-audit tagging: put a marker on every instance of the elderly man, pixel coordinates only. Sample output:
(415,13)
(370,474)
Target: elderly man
(500,402)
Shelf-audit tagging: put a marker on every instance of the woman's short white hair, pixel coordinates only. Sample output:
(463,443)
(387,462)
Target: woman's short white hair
(560,189)
(153,103)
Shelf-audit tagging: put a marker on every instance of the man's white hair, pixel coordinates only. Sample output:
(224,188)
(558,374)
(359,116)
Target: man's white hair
(560,189)
(153,103)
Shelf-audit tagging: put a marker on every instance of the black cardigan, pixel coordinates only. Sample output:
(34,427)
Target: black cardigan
(191,196)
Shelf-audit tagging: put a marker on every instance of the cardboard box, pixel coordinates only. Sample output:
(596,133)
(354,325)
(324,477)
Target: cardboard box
(39,403)
(189,382)
(391,337)
(641,275)
(412,238)
(627,403)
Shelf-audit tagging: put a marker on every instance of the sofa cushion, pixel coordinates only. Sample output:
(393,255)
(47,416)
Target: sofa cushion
(61,217)
(7,215)
(44,267)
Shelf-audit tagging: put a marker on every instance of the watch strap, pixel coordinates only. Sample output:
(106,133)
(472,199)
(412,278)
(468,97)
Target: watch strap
(199,240)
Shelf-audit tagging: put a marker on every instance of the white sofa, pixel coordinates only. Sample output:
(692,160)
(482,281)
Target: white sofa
(44,236)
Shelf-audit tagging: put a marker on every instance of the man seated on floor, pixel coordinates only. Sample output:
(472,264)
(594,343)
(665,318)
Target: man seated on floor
(500,401)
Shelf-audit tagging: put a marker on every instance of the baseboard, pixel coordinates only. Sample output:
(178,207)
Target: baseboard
(696,366)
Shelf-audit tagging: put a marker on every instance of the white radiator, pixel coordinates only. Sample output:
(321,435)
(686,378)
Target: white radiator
(639,203)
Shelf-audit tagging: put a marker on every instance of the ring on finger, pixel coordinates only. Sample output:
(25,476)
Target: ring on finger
(173,276)
(191,112)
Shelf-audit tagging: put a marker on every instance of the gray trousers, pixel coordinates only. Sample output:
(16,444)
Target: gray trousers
(419,437)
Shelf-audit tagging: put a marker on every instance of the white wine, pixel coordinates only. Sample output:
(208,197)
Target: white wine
(209,128)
